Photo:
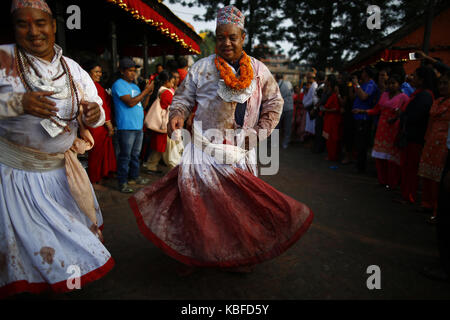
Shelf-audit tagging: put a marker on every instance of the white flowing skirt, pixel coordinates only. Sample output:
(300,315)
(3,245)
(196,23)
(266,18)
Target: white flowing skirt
(44,237)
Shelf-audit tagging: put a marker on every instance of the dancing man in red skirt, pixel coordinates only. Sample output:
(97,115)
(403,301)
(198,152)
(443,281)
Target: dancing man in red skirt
(208,212)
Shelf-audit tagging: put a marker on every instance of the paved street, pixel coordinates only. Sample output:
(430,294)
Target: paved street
(356,225)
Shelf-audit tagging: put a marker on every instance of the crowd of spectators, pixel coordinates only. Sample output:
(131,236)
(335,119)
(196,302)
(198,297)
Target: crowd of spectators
(401,121)
(123,145)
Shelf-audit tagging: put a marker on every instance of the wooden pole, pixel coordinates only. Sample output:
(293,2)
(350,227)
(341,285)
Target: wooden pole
(146,68)
(113,46)
(428,26)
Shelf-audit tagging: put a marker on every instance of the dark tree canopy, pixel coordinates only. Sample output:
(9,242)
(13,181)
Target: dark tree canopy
(322,32)
(262,18)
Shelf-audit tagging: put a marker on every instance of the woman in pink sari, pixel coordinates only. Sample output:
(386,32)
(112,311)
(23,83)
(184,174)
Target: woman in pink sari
(385,152)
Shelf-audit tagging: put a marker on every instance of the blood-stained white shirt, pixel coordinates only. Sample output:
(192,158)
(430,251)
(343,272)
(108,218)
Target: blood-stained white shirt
(25,129)
(200,88)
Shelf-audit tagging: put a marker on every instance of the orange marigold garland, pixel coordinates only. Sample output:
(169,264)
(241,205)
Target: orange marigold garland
(246,72)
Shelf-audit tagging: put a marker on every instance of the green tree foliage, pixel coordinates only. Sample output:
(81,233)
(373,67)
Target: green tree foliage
(207,47)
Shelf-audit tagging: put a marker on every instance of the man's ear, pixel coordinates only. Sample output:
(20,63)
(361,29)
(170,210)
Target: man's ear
(54,25)
(243,35)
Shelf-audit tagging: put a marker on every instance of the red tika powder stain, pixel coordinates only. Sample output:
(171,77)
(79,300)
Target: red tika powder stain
(7,63)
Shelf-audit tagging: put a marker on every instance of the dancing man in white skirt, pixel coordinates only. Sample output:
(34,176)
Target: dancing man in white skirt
(50,220)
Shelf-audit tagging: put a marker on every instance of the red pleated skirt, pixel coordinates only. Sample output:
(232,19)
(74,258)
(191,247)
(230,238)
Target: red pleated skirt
(218,216)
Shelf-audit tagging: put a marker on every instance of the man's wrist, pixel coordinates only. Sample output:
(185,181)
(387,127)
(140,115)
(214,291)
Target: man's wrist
(15,102)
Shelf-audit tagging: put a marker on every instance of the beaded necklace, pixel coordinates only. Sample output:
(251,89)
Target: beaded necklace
(22,60)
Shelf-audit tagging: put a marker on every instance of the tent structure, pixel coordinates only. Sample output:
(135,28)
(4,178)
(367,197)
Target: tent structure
(396,47)
(114,28)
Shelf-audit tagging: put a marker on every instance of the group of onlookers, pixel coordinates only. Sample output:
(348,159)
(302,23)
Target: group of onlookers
(403,119)
(124,144)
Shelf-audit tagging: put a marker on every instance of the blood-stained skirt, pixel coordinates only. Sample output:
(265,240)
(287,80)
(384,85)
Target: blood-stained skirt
(45,239)
(203,213)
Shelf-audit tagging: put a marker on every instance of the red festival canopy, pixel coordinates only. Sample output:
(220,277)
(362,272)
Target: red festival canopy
(143,12)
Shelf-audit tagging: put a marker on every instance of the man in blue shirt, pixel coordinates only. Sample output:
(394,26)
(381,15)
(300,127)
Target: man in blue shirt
(406,87)
(129,104)
(365,98)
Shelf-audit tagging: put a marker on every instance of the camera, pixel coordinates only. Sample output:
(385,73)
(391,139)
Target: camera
(413,56)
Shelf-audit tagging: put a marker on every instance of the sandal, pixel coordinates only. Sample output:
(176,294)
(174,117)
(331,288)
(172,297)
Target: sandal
(126,188)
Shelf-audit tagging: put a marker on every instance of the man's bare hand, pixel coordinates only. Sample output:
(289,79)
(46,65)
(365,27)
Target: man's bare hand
(149,87)
(420,54)
(110,128)
(175,123)
(36,104)
(91,112)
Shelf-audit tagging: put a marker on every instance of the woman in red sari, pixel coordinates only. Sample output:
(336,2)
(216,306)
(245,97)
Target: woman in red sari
(385,152)
(102,159)
(332,119)
(434,153)
(164,92)
(299,119)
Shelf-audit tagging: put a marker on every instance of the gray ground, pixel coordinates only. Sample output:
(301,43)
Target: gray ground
(356,225)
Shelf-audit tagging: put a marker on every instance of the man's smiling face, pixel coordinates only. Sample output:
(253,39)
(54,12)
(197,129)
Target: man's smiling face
(35,31)
(229,42)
